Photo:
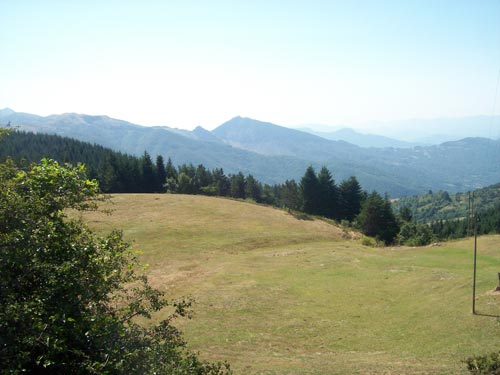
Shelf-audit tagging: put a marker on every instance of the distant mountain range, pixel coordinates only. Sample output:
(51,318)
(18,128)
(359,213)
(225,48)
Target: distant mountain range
(362,140)
(410,133)
(274,153)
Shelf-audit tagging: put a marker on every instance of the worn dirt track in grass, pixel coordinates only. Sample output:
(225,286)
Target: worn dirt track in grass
(278,295)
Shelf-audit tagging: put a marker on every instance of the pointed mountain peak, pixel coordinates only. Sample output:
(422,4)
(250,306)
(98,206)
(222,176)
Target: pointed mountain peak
(200,129)
(6,112)
(203,134)
(239,122)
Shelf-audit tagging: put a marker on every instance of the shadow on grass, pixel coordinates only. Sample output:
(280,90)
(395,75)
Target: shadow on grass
(301,216)
(486,315)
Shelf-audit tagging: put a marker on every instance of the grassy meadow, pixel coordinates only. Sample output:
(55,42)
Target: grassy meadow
(279,295)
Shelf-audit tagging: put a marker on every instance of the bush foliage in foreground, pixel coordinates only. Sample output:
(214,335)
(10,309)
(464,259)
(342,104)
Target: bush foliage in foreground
(68,298)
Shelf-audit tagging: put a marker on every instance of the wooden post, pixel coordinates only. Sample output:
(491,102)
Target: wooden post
(475,257)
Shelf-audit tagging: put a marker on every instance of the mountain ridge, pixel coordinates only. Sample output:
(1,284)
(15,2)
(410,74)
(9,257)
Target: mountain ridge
(273,153)
(271,139)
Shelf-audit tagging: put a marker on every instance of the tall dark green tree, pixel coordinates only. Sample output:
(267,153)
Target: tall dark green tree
(268,194)
(202,177)
(309,188)
(327,194)
(350,198)
(147,173)
(107,174)
(161,174)
(238,186)
(291,195)
(253,190)
(171,175)
(222,183)
(377,219)
(132,174)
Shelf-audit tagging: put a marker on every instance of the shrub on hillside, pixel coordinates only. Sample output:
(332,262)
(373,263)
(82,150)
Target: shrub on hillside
(368,241)
(412,234)
(69,299)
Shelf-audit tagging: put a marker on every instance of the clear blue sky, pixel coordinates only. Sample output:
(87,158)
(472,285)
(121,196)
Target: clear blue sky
(184,63)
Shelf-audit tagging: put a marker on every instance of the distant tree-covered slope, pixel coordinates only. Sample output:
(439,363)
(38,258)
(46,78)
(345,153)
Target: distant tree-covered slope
(116,172)
(442,205)
(30,147)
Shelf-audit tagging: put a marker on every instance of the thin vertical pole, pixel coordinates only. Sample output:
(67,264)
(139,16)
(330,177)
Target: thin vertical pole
(475,257)
(468,214)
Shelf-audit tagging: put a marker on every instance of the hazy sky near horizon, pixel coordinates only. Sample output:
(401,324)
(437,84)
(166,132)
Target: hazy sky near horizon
(188,63)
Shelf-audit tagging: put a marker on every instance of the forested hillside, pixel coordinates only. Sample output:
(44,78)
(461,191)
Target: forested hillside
(443,216)
(442,205)
(275,153)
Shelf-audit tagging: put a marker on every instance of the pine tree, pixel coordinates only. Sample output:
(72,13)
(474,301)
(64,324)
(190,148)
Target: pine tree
(161,174)
(350,198)
(291,195)
(309,187)
(252,188)
(377,219)
(268,194)
(328,194)
(202,177)
(170,170)
(238,186)
(148,175)
(222,184)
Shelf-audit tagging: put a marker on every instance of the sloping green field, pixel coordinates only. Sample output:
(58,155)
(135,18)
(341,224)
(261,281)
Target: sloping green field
(279,295)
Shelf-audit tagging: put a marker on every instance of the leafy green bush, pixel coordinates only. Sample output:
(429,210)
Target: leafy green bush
(69,299)
(368,241)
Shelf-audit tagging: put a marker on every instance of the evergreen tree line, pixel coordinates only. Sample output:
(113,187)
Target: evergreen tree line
(116,172)
(315,194)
